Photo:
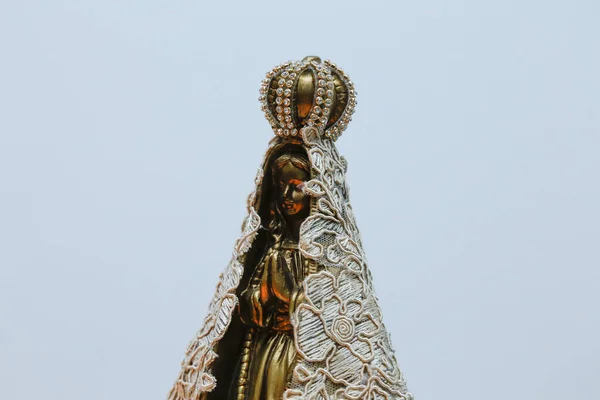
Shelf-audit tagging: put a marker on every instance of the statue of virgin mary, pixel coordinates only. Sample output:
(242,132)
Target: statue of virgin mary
(294,315)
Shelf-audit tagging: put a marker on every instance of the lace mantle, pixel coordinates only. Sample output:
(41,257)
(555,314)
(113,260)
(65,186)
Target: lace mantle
(344,350)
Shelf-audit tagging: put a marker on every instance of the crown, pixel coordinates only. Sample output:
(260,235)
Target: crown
(308,93)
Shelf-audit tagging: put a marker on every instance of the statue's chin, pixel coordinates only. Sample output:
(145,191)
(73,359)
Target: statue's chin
(291,211)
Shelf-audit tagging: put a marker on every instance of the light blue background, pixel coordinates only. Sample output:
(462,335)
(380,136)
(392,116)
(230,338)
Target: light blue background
(130,133)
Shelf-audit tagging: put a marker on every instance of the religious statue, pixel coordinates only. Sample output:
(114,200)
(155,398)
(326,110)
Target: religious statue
(294,315)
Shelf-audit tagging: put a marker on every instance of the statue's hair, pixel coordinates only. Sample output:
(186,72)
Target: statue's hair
(298,160)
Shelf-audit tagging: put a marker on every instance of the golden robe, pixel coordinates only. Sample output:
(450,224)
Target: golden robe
(266,303)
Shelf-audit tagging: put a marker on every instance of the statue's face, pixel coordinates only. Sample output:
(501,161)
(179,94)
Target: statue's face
(292,201)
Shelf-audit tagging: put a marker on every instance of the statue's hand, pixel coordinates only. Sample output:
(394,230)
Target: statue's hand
(251,309)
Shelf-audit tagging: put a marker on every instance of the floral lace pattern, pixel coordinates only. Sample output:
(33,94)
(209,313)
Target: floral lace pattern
(344,350)
(339,328)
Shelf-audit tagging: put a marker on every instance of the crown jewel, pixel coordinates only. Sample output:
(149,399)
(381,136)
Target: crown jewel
(308,93)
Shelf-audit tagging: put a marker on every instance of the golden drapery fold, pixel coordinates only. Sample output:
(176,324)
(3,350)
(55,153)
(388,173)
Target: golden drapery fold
(265,304)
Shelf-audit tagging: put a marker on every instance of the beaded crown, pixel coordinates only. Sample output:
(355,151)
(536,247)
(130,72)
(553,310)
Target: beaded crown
(308,93)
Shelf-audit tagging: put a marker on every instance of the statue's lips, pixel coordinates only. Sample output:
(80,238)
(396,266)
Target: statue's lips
(290,206)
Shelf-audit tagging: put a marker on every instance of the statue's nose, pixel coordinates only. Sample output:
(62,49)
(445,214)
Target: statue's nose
(287,193)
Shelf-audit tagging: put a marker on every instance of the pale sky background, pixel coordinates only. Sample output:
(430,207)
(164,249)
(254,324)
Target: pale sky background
(130,134)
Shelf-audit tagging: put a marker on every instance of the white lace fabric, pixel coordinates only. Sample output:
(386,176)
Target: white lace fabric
(344,350)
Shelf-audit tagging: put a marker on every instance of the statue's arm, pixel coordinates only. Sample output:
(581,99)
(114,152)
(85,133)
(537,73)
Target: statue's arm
(282,282)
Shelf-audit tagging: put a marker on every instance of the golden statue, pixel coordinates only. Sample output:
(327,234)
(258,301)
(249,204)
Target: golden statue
(294,315)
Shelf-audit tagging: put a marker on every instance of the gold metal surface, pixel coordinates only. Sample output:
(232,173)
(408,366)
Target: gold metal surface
(308,93)
(265,357)
(305,92)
